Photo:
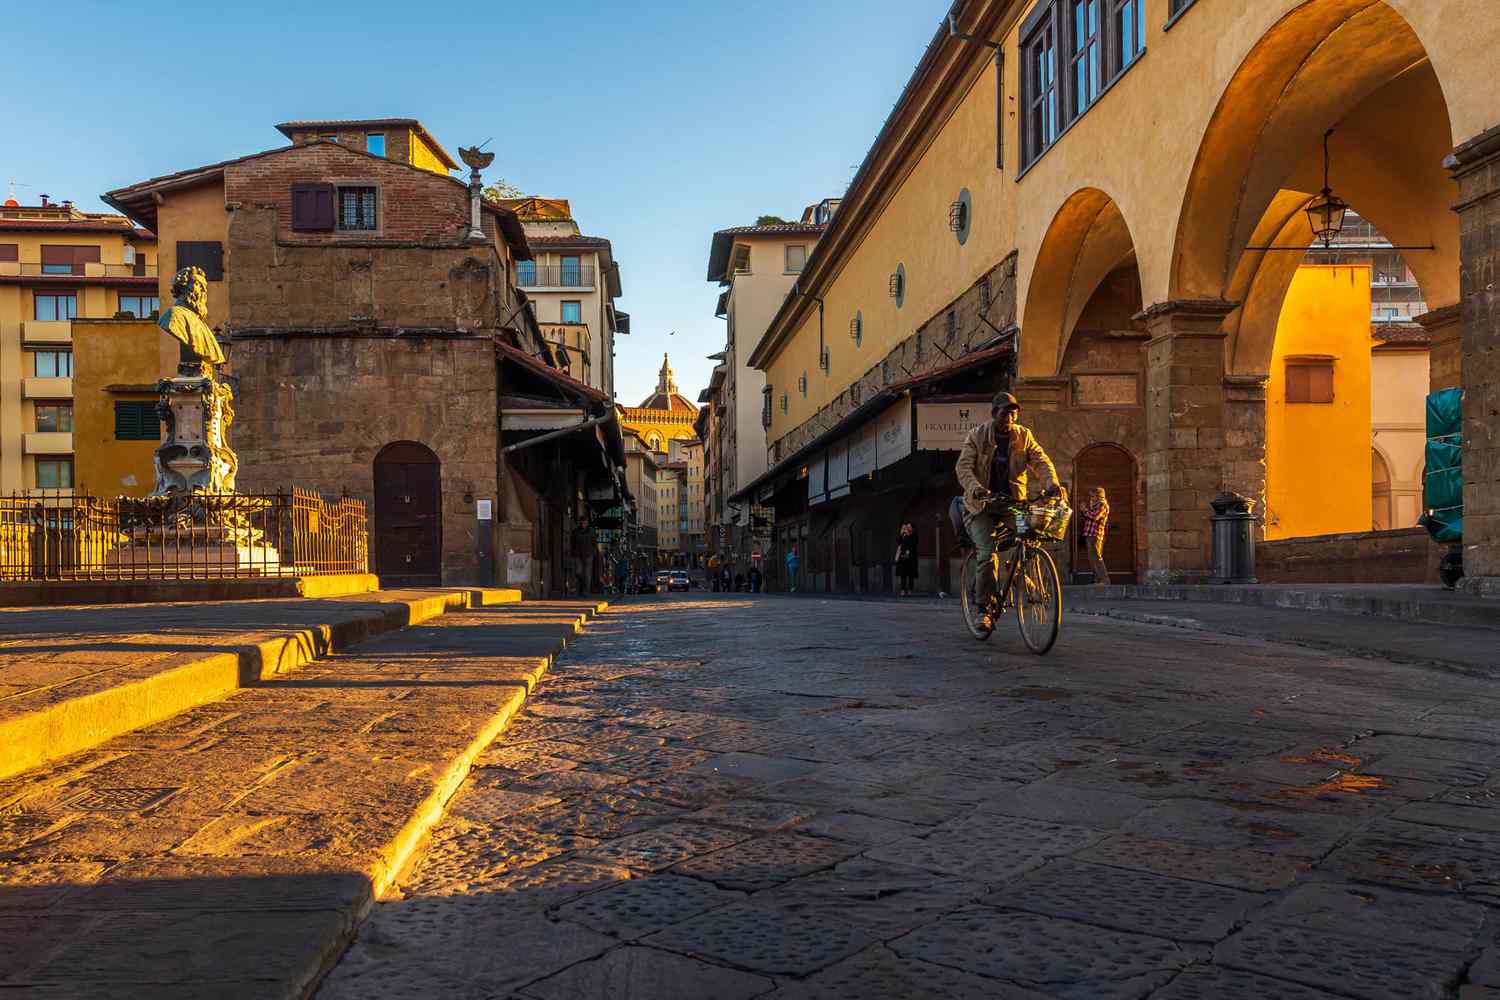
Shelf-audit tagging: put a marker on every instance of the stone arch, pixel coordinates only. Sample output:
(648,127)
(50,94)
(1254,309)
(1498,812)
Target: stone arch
(1382,490)
(1353,65)
(1087,241)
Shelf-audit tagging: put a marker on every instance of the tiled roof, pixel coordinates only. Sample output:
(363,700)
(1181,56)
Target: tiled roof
(287,128)
(1401,333)
(723,242)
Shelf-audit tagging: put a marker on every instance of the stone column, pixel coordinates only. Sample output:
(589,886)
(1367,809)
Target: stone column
(1185,434)
(1476,167)
(1445,357)
(1244,461)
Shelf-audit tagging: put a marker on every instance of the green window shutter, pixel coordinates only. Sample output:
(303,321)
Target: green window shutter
(135,421)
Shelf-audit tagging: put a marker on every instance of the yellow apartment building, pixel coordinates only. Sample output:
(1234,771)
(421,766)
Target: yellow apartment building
(59,265)
(572,281)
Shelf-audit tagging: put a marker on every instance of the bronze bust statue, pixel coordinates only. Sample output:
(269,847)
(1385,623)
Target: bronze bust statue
(185,322)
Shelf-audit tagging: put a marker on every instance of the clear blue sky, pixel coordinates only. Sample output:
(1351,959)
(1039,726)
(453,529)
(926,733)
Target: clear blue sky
(661,121)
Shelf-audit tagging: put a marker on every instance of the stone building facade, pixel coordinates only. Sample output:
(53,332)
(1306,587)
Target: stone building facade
(371,347)
(1199,221)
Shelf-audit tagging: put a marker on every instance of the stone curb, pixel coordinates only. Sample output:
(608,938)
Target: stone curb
(1440,609)
(60,594)
(37,738)
(395,857)
(1351,649)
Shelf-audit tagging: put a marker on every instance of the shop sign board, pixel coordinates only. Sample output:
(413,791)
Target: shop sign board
(893,434)
(944,426)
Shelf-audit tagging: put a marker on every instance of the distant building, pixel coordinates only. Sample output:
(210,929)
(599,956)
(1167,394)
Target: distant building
(757,266)
(384,353)
(665,422)
(573,281)
(58,265)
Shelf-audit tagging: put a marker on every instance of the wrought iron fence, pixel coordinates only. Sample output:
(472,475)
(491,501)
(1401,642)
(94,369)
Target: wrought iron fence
(203,536)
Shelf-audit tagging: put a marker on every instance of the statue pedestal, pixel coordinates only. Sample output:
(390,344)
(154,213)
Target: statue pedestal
(207,551)
(194,456)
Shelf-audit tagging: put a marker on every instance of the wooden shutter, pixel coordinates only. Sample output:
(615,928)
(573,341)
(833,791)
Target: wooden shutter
(205,254)
(10,251)
(136,422)
(1309,383)
(53,256)
(82,256)
(313,208)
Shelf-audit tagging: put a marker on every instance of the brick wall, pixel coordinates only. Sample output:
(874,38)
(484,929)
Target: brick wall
(1404,556)
(313,411)
(414,204)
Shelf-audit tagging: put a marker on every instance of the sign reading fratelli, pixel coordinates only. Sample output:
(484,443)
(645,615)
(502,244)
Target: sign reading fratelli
(943,426)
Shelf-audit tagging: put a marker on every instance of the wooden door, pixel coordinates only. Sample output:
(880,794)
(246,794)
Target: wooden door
(1111,467)
(408,516)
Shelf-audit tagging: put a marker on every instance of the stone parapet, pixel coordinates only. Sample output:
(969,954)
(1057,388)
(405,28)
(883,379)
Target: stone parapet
(1407,555)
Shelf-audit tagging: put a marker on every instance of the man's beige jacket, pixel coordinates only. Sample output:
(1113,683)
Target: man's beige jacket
(979,451)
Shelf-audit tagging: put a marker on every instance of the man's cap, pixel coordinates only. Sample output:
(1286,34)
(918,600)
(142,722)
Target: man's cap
(1004,401)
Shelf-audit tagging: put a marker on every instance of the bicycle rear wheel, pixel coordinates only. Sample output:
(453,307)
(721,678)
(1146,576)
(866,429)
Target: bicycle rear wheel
(968,584)
(1038,592)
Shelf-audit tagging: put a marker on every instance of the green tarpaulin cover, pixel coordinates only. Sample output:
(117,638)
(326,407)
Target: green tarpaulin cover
(1443,479)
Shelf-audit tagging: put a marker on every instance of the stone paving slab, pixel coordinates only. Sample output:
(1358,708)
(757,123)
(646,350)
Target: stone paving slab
(248,853)
(1465,646)
(74,677)
(988,845)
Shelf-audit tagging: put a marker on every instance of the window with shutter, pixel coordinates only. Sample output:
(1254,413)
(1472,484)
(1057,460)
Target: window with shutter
(1309,381)
(137,421)
(67,259)
(312,208)
(10,251)
(204,254)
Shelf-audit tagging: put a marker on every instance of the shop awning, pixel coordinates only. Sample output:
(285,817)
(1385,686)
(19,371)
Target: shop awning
(877,405)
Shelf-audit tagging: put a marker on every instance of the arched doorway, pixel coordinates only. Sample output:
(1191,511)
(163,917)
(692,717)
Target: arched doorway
(1380,492)
(408,515)
(1109,466)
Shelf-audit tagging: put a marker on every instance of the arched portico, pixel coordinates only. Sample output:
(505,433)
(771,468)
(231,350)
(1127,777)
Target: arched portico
(1355,66)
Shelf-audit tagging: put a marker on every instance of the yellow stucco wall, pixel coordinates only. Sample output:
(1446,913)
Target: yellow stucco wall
(423,156)
(192,215)
(1178,178)
(1318,454)
(112,353)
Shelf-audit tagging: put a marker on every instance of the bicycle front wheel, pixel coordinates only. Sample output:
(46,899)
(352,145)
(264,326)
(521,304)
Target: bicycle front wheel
(968,592)
(1038,592)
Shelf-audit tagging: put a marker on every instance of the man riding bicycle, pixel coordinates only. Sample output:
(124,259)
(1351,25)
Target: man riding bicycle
(993,468)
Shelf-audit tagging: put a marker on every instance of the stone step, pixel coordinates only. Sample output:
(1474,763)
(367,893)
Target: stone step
(232,850)
(74,677)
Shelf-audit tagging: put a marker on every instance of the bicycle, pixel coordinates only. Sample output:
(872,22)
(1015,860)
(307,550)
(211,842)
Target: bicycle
(1031,581)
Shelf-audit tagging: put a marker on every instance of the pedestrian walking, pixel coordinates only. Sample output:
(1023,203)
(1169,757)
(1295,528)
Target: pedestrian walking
(906,558)
(791,570)
(1095,517)
(622,574)
(755,579)
(739,582)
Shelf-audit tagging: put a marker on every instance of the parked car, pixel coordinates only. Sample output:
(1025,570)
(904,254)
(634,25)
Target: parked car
(679,581)
(663,577)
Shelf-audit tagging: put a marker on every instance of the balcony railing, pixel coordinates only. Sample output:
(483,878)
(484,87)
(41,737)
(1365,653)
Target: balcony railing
(29,268)
(555,276)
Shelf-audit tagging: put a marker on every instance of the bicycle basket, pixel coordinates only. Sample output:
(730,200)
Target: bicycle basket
(1045,519)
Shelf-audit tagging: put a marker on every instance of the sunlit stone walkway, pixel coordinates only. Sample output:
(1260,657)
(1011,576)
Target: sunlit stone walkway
(737,797)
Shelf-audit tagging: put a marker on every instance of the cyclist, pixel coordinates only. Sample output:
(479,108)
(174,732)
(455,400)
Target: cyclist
(993,466)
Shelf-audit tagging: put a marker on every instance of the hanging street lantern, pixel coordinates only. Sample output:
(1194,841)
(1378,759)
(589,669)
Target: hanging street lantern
(1326,212)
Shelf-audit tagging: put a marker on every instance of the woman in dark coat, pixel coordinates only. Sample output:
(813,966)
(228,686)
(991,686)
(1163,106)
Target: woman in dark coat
(906,558)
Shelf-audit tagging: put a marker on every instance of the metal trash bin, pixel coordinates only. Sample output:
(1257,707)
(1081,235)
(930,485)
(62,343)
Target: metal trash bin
(1233,539)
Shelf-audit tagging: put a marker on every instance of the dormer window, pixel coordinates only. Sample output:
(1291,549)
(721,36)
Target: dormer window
(375,143)
(741,260)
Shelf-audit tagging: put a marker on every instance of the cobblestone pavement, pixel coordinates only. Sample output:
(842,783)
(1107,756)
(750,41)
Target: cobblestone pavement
(742,797)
